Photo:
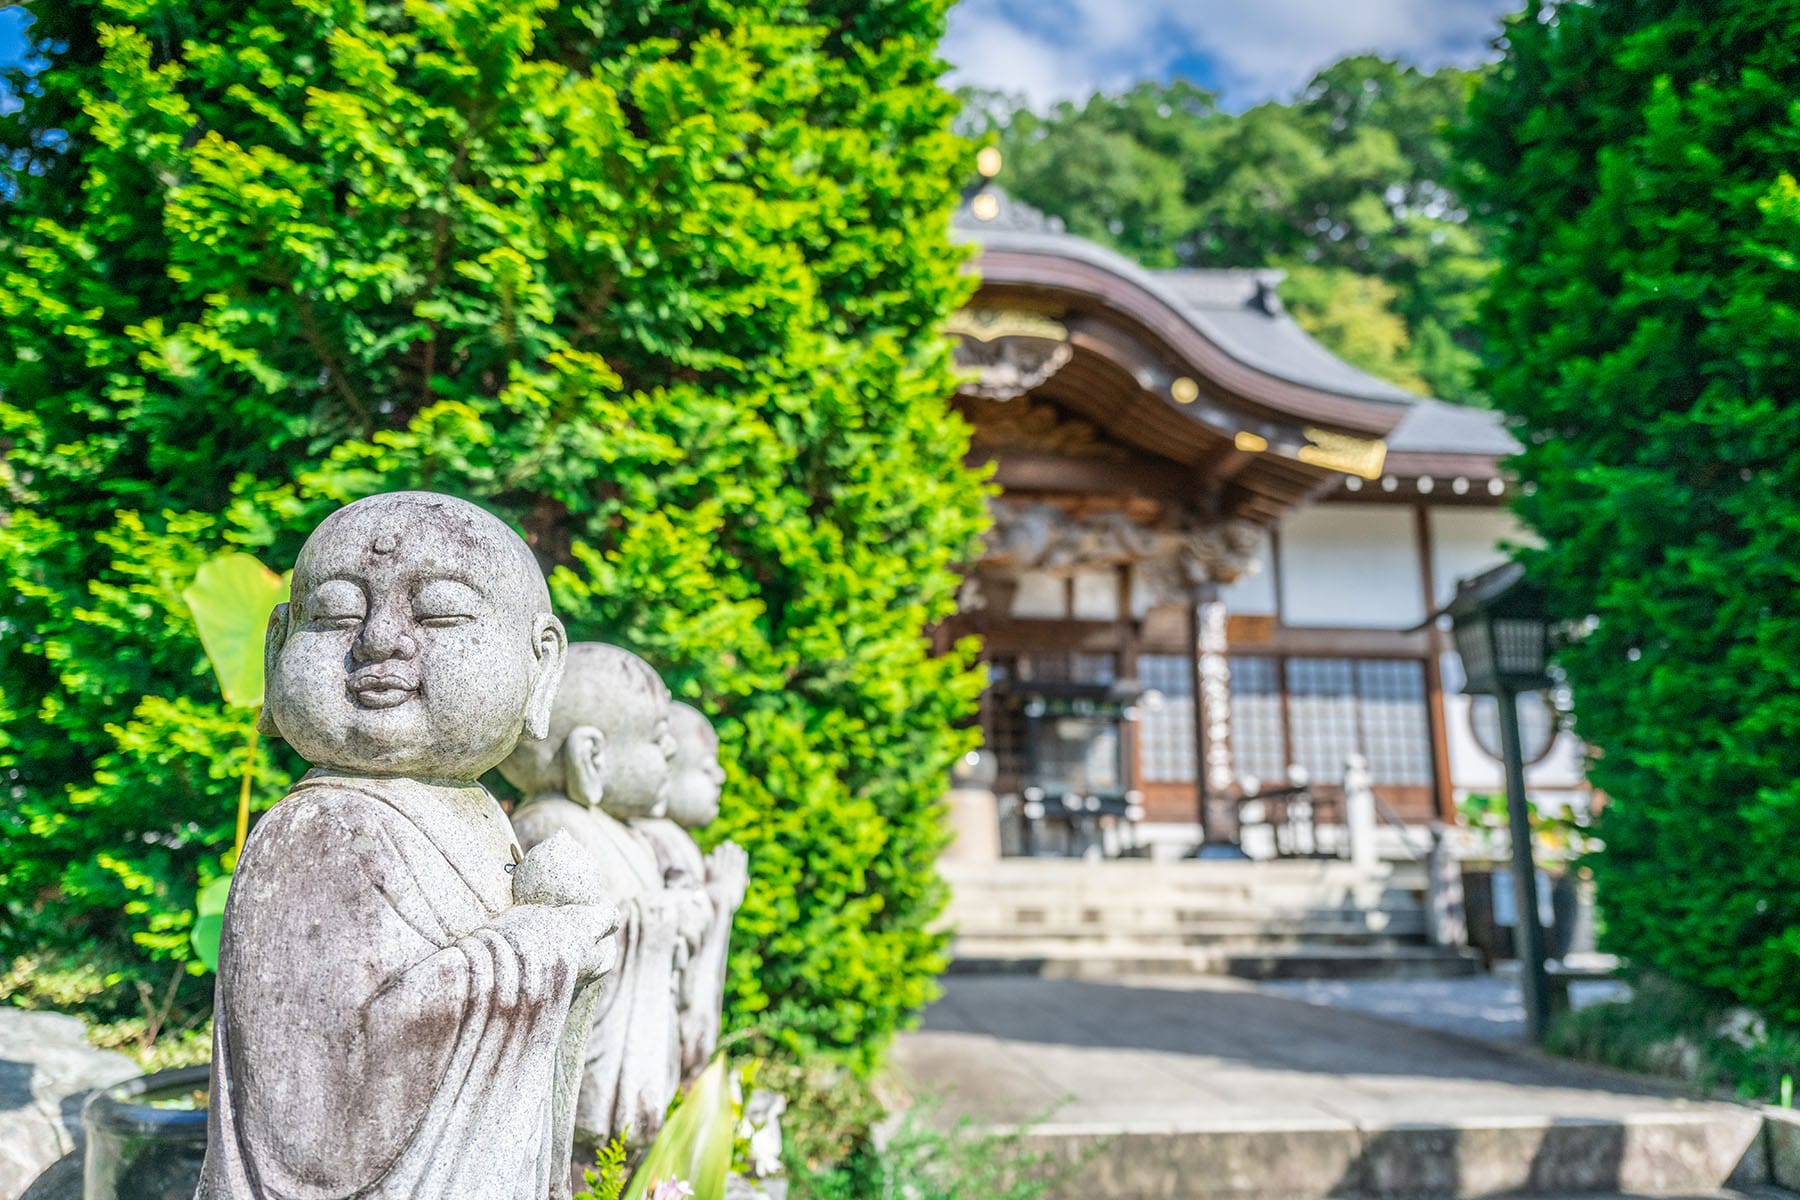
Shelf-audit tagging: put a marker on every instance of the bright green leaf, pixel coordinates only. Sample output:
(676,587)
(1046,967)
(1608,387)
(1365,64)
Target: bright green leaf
(231,599)
(695,1143)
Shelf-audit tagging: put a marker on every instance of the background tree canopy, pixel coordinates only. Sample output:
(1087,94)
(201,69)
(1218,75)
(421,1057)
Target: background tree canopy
(1637,161)
(1348,187)
(659,282)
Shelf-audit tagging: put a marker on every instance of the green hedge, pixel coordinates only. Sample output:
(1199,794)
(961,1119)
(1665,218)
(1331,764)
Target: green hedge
(660,283)
(1638,162)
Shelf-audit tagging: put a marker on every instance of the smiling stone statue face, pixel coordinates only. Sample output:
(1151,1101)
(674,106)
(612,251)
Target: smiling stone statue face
(419,641)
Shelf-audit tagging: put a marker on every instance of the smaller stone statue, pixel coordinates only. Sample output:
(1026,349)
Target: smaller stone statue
(398,1008)
(603,763)
(722,876)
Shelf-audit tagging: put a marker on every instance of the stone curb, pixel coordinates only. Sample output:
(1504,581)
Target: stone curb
(1323,1160)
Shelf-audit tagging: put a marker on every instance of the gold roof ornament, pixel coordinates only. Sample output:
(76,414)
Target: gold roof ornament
(992,324)
(1362,457)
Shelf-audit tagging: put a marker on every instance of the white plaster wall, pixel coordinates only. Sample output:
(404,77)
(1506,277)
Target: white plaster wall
(1253,595)
(1097,595)
(1042,595)
(1467,541)
(1351,566)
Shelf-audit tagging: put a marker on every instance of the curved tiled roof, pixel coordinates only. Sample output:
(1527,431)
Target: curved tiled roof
(1433,427)
(1239,312)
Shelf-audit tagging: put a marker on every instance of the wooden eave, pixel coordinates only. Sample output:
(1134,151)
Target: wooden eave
(1085,287)
(1128,346)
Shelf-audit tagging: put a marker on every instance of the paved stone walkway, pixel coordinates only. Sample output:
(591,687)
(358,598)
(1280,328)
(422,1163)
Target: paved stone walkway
(1005,1048)
(1479,1006)
(1217,1090)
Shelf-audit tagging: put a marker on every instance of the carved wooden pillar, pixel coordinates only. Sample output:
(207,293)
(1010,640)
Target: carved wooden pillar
(1213,671)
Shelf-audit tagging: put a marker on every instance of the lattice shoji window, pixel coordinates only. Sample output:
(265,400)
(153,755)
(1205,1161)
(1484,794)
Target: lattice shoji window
(1166,731)
(1322,715)
(1258,746)
(1396,738)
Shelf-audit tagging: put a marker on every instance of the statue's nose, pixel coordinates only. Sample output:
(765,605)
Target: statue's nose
(385,635)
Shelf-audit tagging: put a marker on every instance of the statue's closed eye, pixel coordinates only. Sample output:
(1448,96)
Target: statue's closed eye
(335,604)
(446,603)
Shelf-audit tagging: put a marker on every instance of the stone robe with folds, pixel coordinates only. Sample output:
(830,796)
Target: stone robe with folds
(701,986)
(389,1025)
(633,1059)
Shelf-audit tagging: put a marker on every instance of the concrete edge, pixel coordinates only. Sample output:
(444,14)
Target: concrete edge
(1781,1144)
(1649,1154)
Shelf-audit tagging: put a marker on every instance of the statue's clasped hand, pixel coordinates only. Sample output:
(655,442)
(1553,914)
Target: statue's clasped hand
(562,886)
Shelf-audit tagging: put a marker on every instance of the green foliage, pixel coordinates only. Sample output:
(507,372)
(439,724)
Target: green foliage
(1350,186)
(840,1143)
(606,1180)
(1671,1029)
(1636,163)
(659,283)
(922,1160)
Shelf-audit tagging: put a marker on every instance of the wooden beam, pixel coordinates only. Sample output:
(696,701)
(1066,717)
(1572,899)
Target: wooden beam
(1028,472)
(1343,643)
(1023,635)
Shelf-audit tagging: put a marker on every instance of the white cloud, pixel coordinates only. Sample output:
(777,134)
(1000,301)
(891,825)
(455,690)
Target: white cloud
(1053,50)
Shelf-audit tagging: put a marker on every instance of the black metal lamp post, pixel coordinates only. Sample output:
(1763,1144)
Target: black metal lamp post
(1502,630)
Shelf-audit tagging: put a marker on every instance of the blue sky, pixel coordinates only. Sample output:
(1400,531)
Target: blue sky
(12,49)
(1248,50)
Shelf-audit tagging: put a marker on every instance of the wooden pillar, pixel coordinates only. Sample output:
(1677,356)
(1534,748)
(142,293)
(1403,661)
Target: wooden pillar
(1443,792)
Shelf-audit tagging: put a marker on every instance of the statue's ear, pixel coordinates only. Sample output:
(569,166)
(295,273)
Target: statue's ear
(584,765)
(273,641)
(551,645)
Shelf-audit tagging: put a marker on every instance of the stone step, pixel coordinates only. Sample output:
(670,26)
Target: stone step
(1088,922)
(1103,962)
(1161,906)
(1662,1154)
(1247,939)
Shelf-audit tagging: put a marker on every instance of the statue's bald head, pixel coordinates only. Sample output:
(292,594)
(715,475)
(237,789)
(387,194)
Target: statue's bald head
(694,792)
(608,740)
(419,640)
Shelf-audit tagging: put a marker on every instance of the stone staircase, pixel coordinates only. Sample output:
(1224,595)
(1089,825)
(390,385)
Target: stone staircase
(1307,919)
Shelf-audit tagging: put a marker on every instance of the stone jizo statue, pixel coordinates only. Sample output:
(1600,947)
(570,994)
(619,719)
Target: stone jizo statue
(603,762)
(393,1011)
(721,876)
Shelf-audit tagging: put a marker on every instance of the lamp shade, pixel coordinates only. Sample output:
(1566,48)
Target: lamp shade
(1501,626)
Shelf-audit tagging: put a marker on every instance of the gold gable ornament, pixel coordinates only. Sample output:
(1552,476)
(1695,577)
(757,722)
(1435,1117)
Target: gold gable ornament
(1362,457)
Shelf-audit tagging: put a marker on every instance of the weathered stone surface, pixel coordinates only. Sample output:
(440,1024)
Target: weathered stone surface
(47,1068)
(602,762)
(392,1018)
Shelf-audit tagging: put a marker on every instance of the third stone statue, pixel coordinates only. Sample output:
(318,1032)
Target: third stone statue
(722,876)
(393,1011)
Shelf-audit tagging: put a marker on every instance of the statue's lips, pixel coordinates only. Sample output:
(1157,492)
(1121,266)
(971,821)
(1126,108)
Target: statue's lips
(383,691)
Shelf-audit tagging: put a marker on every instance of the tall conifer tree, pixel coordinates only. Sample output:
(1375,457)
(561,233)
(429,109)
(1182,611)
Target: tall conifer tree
(1637,161)
(659,281)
